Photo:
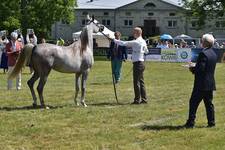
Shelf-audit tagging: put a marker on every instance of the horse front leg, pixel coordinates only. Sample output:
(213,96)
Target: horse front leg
(30,83)
(77,88)
(83,88)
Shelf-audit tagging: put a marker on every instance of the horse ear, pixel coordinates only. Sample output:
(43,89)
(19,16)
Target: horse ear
(92,18)
(88,17)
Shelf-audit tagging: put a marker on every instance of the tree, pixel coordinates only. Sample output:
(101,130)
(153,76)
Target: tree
(204,9)
(10,15)
(37,14)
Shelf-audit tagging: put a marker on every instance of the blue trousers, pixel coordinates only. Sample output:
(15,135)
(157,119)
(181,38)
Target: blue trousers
(116,68)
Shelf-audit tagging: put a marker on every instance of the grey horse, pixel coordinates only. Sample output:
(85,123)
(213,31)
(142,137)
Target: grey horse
(76,58)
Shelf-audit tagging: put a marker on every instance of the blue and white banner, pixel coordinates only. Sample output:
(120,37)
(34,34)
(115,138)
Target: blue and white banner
(153,55)
(184,55)
(169,55)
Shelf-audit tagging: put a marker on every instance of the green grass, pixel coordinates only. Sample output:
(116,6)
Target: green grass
(106,125)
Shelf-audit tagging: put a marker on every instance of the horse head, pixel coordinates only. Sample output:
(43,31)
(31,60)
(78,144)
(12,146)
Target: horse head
(96,26)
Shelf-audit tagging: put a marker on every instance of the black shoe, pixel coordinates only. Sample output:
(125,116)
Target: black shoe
(135,103)
(143,102)
(189,125)
(210,125)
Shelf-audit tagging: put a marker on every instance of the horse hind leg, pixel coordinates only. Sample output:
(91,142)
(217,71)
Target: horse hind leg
(30,83)
(40,87)
(83,88)
(77,86)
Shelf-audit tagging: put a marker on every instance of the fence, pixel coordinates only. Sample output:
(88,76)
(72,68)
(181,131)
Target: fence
(168,55)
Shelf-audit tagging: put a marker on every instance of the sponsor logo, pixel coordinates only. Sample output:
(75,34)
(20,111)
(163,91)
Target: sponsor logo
(184,55)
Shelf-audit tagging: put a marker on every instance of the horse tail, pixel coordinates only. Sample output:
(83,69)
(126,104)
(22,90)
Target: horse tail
(24,58)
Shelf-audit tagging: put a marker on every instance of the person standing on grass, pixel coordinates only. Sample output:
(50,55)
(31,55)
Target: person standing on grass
(139,48)
(117,54)
(204,83)
(4,57)
(13,49)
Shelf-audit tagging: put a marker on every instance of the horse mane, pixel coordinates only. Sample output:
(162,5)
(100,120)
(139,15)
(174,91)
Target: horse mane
(84,39)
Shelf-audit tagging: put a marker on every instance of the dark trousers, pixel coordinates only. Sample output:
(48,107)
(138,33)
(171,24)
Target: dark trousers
(138,81)
(195,100)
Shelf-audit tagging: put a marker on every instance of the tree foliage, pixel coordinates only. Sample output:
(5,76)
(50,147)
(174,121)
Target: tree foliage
(37,14)
(204,9)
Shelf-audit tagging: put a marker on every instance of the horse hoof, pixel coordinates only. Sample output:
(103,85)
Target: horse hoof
(83,104)
(77,104)
(47,107)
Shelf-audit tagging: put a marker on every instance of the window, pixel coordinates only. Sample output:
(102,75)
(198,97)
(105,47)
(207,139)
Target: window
(128,22)
(172,14)
(84,22)
(150,14)
(84,13)
(150,5)
(106,22)
(220,24)
(194,24)
(106,13)
(128,13)
(65,21)
(172,23)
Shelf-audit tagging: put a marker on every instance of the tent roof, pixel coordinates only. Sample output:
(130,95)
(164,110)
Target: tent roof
(106,32)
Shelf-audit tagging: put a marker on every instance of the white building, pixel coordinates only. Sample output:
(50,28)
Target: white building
(154,16)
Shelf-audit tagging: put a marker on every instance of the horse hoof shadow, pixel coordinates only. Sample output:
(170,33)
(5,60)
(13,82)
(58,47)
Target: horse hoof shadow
(30,107)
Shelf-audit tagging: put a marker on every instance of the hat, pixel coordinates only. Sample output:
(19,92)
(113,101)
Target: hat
(14,35)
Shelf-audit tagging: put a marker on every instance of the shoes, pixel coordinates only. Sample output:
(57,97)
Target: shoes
(210,125)
(135,103)
(143,102)
(189,125)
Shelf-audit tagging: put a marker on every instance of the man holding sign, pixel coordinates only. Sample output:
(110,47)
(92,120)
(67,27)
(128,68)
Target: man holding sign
(204,83)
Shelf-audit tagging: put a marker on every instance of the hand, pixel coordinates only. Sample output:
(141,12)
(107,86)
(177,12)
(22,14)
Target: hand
(191,69)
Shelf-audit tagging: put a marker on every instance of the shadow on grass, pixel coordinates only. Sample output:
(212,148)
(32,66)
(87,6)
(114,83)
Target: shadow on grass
(101,83)
(166,127)
(109,104)
(30,107)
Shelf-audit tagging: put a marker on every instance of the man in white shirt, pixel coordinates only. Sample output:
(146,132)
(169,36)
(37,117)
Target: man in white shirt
(139,48)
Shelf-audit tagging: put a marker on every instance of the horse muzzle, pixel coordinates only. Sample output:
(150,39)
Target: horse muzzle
(101,28)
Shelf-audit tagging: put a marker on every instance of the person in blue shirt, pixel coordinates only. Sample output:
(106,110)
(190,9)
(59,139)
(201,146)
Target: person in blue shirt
(117,54)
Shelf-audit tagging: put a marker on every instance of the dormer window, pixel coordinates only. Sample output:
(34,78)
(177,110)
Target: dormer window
(172,14)
(106,13)
(128,13)
(150,14)
(84,13)
(150,5)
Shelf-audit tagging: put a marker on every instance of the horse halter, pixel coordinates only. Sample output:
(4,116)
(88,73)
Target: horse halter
(101,27)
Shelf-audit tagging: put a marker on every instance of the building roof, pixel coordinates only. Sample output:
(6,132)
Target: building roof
(112,4)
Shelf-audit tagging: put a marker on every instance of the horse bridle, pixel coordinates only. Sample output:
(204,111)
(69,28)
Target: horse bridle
(101,29)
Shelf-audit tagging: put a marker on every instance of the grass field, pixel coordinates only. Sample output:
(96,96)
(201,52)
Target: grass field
(104,124)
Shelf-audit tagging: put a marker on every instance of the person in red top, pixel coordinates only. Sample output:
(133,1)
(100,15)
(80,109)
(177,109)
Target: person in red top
(13,49)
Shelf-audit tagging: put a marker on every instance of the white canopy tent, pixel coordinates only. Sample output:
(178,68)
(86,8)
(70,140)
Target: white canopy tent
(101,40)
(183,36)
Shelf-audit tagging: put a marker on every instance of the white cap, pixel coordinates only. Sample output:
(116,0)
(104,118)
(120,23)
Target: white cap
(14,35)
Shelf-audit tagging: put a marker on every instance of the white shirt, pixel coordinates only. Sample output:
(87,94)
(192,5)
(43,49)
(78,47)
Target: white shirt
(139,48)
(34,39)
(13,46)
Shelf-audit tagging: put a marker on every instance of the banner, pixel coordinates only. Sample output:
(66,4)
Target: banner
(153,55)
(184,55)
(169,55)
(195,52)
